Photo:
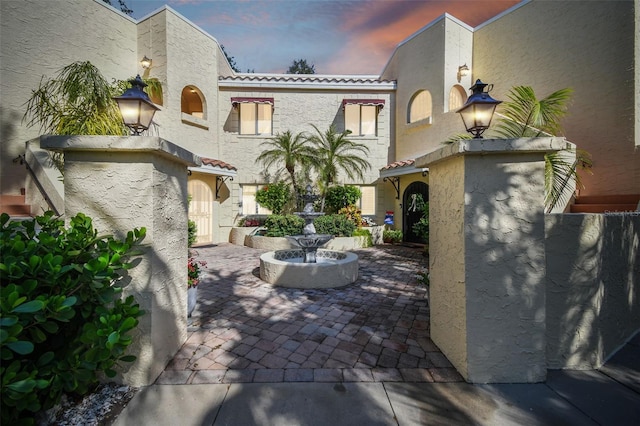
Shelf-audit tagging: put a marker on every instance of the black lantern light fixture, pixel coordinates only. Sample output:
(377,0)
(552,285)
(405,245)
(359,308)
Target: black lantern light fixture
(135,106)
(478,111)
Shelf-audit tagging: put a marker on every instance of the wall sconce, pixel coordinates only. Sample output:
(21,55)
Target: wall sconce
(145,62)
(136,108)
(478,111)
(463,70)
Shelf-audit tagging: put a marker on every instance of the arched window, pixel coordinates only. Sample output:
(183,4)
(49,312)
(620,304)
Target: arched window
(419,107)
(192,102)
(457,97)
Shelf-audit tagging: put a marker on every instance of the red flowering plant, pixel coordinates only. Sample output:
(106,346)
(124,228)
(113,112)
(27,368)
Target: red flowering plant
(194,271)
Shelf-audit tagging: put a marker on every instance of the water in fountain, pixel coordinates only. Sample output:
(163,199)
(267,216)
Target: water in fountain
(309,241)
(284,268)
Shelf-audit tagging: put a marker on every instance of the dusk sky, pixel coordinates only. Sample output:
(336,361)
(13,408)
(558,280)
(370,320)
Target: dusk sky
(338,37)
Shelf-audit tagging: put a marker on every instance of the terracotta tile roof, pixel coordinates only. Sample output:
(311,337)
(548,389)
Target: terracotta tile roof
(217,163)
(311,78)
(398,164)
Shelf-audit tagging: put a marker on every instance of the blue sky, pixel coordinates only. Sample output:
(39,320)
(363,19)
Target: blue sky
(338,37)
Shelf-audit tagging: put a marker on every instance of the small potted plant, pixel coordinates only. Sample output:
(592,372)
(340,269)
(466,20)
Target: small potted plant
(193,280)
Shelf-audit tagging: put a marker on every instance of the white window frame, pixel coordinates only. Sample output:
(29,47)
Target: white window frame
(354,113)
(246,203)
(255,118)
(374,199)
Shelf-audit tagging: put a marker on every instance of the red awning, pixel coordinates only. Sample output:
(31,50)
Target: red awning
(375,102)
(238,100)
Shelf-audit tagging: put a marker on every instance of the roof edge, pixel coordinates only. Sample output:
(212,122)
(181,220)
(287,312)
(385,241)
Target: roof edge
(503,13)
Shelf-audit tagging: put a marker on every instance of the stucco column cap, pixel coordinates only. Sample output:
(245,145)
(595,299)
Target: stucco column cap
(494,146)
(152,144)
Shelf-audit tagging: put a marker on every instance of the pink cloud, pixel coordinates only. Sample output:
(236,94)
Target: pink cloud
(374,32)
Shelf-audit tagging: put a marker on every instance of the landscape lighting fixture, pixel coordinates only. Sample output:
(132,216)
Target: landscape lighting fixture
(136,108)
(478,111)
(145,62)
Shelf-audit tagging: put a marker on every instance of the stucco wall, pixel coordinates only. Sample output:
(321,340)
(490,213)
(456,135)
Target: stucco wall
(132,182)
(588,46)
(296,110)
(446,262)
(429,61)
(183,55)
(505,267)
(41,37)
(487,292)
(593,286)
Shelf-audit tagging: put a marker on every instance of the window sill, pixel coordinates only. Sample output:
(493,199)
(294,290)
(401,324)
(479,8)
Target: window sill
(421,123)
(245,136)
(372,137)
(194,121)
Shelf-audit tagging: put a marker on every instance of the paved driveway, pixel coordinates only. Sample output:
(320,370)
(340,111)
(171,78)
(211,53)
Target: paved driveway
(246,330)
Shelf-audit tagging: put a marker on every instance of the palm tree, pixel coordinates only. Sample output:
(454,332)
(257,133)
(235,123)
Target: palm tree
(289,151)
(524,115)
(336,153)
(77,102)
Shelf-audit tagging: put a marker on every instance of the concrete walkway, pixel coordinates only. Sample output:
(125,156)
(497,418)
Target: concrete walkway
(360,355)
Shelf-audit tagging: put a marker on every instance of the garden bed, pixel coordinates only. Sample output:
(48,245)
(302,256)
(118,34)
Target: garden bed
(243,236)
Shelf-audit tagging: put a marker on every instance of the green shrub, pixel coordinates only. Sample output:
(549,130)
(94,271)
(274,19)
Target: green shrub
(421,227)
(334,224)
(338,197)
(62,319)
(364,233)
(283,225)
(353,214)
(391,236)
(192,229)
(274,196)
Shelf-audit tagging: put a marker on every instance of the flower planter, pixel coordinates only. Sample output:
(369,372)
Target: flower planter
(237,234)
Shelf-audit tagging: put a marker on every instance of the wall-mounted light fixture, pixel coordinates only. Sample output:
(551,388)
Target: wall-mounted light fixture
(136,108)
(478,111)
(463,70)
(145,62)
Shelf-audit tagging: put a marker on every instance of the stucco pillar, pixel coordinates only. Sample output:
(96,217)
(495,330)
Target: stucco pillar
(487,257)
(131,182)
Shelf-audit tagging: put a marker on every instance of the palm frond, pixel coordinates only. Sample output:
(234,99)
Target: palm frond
(78,101)
(523,115)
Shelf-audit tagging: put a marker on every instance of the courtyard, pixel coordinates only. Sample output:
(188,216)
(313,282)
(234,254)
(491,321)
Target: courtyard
(246,330)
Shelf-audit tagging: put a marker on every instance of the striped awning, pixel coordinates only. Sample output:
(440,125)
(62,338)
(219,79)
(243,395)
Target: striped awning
(374,102)
(240,100)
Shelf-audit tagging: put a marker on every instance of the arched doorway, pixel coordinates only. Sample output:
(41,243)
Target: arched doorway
(412,210)
(201,210)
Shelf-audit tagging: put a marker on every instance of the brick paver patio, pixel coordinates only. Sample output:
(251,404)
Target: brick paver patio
(246,330)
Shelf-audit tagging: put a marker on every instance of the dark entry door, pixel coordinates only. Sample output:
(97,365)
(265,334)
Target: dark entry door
(412,210)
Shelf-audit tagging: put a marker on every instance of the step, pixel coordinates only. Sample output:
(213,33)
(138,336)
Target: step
(14,205)
(609,199)
(602,208)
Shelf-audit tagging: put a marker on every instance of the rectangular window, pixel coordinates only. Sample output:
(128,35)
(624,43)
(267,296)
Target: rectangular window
(361,119)
(255,118)
(249,204)
(367,202)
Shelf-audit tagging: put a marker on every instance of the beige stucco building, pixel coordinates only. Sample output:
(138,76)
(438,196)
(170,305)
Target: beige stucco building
(405,112)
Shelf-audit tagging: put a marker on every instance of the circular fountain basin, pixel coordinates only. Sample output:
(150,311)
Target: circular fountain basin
(285,268)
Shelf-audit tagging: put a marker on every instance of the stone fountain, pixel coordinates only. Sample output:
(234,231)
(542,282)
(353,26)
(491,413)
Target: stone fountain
(309,266)
(309,241)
